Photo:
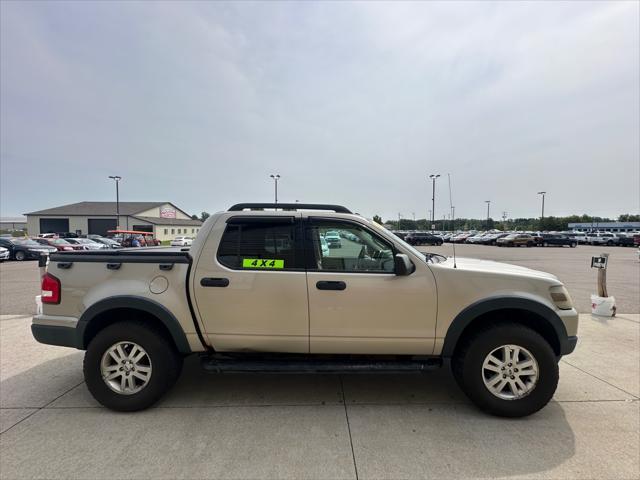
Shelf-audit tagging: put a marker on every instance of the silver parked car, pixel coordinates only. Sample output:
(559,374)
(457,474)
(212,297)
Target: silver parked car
(86,243)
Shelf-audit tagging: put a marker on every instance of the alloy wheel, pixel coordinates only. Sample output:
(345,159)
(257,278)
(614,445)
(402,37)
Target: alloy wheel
(510,372)
(126,368)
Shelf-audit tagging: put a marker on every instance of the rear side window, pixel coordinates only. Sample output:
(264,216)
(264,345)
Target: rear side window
(259,245)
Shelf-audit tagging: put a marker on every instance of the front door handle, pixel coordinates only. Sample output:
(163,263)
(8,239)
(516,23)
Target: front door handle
(214,282)
(324,285)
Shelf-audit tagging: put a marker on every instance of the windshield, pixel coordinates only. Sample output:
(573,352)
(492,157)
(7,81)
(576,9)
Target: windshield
(60,241)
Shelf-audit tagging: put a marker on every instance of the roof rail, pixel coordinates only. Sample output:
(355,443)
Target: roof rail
(289,206)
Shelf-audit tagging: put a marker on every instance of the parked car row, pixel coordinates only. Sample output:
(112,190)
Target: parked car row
(25,248)
(21,248)
(526,239)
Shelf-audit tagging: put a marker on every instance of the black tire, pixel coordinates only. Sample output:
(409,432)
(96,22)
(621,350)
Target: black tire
(574,245)
(165,360)
(529,244)
(20,256)
(468,371)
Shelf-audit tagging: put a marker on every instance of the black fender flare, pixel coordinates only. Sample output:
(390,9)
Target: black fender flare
(473,311)
(134,303)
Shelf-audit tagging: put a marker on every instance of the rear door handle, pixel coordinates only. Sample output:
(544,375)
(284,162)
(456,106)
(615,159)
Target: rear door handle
(325,285)
(214,282)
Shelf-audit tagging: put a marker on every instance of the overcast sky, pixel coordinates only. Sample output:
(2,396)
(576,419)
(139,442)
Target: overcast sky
(351,103)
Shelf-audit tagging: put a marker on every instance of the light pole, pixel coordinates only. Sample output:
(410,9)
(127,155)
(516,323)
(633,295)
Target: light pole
(433,198)
(504,220)
(542,216)
(488,202)
(399,220)
(276,177)
(117,179)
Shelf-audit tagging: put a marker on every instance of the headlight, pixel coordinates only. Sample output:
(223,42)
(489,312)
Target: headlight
(561,297)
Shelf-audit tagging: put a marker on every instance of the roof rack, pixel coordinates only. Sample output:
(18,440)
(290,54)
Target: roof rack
(289,206)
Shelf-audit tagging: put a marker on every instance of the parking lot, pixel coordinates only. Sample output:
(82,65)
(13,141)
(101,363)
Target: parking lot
(20,283)
(245,426)
(571,265)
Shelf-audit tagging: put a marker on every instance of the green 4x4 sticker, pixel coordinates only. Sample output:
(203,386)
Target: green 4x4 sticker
(262,263)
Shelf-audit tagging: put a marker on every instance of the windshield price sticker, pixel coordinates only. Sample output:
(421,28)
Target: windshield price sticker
(262,263)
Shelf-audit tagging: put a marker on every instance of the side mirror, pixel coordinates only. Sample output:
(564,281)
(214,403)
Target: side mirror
(403,266)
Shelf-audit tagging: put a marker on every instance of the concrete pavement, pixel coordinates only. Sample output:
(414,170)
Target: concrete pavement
(306,426)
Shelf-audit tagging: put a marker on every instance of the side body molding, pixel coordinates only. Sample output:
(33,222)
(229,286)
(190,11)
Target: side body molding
(473,311)
(135,303)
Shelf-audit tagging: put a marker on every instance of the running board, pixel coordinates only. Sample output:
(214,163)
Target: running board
(221,364)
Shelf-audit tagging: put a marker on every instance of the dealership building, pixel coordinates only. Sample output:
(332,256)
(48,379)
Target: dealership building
(605,227)
(163,219)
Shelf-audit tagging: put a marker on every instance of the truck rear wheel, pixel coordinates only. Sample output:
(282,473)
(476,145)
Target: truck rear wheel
(128,366)
(507,370)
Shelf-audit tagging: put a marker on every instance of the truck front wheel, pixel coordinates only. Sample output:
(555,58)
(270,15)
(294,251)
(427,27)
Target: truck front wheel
(129,365)
(507,370)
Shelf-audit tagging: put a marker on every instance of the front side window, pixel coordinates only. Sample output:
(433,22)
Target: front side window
(259,245)
(347,247)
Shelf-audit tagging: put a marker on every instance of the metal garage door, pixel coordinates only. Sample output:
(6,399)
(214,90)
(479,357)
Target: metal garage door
(54,225)
(99,226)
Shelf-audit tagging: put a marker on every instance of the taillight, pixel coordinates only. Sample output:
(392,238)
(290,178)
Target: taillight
(50,289)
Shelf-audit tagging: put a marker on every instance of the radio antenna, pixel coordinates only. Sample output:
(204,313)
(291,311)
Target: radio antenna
(453,222)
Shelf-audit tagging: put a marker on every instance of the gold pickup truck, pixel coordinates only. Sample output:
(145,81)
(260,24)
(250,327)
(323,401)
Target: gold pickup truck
(258,290)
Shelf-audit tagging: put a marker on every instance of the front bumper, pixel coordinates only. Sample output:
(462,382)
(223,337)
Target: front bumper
(570,320)
(569,346)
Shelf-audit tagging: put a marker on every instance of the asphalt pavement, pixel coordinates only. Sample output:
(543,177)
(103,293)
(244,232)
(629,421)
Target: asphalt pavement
(20,281)
(571,265)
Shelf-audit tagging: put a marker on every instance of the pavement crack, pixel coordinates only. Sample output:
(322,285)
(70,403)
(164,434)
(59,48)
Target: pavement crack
(346,414)
(601,379)
(41,408)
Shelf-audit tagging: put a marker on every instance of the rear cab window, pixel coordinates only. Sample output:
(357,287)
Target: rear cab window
(261,243)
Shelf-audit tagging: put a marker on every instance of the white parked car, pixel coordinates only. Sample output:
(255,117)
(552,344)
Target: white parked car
(603,239)
(325,247)
(86,243)
(4,254)
(181,242)
(580,237)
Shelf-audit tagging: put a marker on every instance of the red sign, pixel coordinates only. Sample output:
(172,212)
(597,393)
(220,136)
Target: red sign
(167,212)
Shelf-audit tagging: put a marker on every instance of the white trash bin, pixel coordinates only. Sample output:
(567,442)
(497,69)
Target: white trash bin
(603,306)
